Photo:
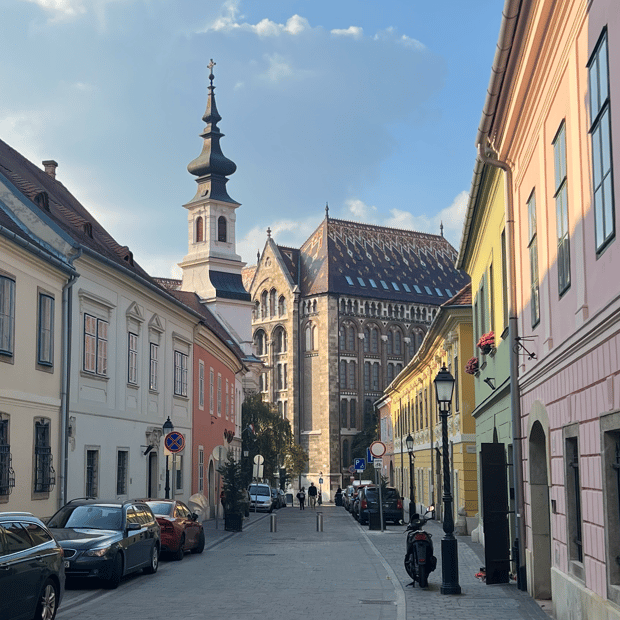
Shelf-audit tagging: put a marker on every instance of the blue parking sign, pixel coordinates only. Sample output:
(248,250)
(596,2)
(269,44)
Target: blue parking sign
(359,464)
(369,457)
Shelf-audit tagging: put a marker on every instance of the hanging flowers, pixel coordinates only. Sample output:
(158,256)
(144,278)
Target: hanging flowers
(472,366)
(486,343)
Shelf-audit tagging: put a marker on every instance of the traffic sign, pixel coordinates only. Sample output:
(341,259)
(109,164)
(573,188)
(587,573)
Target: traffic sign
(174,442)
(378,463)
(320,480)
(369,456)
(377,449)
(351,469)
(359,464)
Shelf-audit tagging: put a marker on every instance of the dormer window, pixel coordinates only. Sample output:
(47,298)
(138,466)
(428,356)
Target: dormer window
(221,229)
(200,229)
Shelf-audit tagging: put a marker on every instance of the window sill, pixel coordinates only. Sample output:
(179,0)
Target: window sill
(181,396)
(48,368)
(577,570)
(7,358)
(92,375)
(133,386)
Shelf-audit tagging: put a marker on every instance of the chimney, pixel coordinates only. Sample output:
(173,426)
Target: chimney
(50,167)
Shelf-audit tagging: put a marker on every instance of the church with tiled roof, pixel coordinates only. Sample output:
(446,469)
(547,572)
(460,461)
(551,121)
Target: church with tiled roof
(336,320)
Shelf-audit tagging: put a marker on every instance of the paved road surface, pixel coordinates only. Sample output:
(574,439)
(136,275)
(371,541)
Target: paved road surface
(344,572)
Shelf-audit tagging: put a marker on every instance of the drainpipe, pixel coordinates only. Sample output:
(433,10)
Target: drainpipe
(65,365)
(515,403)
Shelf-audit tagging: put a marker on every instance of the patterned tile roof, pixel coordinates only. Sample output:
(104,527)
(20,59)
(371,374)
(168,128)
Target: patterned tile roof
(462,298)
(351,258)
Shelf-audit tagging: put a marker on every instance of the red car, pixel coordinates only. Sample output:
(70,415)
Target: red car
(180,529)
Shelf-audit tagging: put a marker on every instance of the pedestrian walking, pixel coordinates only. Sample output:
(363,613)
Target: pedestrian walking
(301,496)
(312,493)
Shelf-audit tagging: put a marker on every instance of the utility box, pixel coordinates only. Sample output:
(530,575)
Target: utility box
(374,520)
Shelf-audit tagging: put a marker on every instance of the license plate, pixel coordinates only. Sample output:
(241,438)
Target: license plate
(67,563)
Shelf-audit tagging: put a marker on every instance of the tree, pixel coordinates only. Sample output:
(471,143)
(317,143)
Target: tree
(268,434)
(232,479)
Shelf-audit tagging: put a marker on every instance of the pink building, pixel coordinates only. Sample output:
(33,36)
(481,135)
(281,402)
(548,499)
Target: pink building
(554,97)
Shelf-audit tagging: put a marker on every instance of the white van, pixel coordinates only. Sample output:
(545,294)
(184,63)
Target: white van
(260,497)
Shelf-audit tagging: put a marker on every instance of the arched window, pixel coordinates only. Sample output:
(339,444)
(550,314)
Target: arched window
(351,383)
(375,377)
(374,340)
(366,340)
(390,342)
(221,229)
(352,413)
(200,233)
(272,302)
(367,376)
(263,304)
(308,338)
(351,338)
(343,413)
(343,374)
(314,337)
(342,338)
(256,311)
(281,305)
(390,373)
(280,340)
(398,340)
(260,342)
(345,454)
(280,408)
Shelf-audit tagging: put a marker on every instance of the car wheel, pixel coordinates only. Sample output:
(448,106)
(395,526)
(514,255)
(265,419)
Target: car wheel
(199,548)
(151,569)
(180,552)
(116,572)
(48,602)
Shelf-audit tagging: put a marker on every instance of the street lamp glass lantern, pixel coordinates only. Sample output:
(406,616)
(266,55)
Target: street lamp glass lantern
(409,442)
(168,426)
(444,386)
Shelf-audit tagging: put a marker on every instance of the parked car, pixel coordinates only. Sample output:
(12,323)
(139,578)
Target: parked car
(107,539)
(181,530)
(282,496)
(368,499)
(260,497)
(347,496)
(32,572)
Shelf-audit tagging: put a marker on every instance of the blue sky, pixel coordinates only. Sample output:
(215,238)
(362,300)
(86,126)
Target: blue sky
(369,106)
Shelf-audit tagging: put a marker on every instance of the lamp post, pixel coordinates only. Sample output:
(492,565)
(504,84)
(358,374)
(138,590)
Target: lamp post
(409,442)
(444,386)
(168,428)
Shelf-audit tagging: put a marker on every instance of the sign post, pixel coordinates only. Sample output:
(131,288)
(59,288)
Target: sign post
(174,443)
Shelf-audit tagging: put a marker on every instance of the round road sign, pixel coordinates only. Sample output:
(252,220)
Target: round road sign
(377,449)
(174,441)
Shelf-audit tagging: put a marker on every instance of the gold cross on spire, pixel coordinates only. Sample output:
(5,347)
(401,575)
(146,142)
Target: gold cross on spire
(211,65)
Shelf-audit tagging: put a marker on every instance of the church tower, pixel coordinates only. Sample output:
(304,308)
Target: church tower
(212,267)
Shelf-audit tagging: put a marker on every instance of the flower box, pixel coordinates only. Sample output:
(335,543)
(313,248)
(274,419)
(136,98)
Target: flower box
(486,344)
(472,366)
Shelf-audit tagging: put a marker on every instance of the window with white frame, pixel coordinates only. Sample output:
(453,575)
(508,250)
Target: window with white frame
(180,373)
(533,249)
(132,358)
(7,475)
(226,410)
(201,384)
(45,336)
(561,209)
(219,395)
(122,469)
(600,132)
(153,366)
(211,390)
(95,345)
(7,315)
(92,473)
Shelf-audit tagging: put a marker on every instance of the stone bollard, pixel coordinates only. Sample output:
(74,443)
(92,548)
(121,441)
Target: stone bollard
(460,527)
(319,521)
(273,523)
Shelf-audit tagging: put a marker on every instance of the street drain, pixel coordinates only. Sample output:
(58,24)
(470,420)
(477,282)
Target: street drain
(377,602)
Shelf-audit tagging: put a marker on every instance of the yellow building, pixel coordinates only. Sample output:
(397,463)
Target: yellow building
(414,412)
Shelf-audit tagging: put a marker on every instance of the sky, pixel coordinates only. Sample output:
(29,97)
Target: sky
(370,107)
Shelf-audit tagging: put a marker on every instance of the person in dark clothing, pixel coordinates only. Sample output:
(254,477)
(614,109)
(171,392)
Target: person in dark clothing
(312,493)
(338,496)
(301,496)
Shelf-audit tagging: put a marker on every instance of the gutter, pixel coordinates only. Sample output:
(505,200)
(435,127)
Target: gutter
(511,16)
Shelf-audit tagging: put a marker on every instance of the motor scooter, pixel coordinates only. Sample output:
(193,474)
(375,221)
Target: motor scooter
(419,559)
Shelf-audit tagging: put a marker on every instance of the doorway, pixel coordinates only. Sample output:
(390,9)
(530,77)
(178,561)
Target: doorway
(153,479)
(541,525)
(211,490)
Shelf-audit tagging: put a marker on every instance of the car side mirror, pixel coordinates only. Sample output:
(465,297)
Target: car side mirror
(132,527)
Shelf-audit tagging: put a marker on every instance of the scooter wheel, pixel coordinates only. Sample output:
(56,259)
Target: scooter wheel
(409,566)
(423,576)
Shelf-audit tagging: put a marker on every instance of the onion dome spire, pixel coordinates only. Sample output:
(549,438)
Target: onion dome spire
(211,166)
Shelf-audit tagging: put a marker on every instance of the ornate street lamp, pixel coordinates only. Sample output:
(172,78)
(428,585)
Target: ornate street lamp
(168,428)
(444,386)
(409,442)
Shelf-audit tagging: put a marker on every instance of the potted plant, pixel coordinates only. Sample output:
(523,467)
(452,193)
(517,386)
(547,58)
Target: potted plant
(486,343)
(233,494)
(472,366)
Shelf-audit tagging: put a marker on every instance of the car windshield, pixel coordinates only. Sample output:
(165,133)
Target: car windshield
(258,490)
(163,509)
(89,516)
(386,494)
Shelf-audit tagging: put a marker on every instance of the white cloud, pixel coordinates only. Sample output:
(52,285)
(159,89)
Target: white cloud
(64,8)
(352,31)
(391,34)
(358,210)
(229,21)
(411,43)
